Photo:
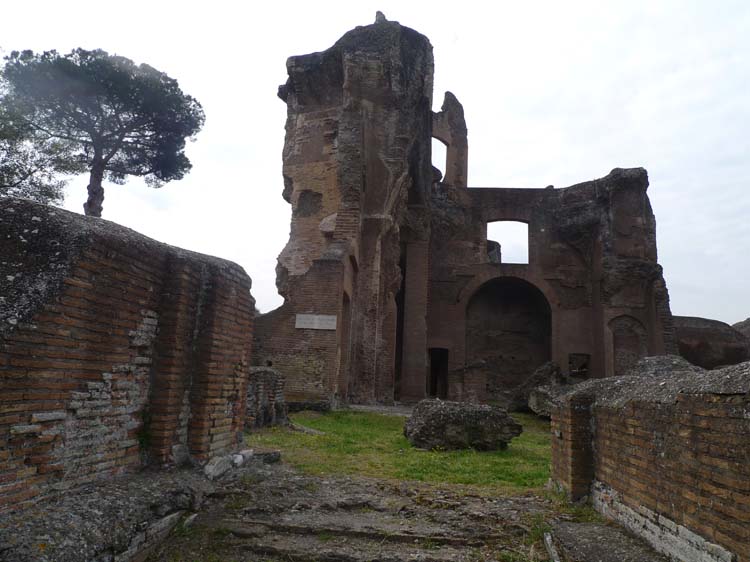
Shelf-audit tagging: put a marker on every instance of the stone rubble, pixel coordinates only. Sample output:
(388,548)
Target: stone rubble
(444,425)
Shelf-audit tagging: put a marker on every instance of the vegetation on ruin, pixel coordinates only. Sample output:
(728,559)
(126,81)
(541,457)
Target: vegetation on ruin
(373,445)
(99,112)
(31,165)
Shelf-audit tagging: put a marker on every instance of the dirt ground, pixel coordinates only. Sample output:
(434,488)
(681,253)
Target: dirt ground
(270,512)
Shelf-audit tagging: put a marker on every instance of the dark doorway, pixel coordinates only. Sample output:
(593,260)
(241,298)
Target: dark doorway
(579,365)
(438,383)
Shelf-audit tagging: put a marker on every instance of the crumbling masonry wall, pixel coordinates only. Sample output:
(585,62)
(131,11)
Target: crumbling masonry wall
(357,174)
(592,286)
(667,456)
(115,350)
(390,292)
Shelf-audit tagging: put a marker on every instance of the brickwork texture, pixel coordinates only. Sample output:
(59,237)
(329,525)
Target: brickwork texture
(676,449)
(115,351)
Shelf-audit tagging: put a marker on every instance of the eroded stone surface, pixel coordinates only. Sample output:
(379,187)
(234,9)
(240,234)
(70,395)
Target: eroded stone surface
(273,513)
(710,343)
(439,424)
(743,327)
(112,521)
(617,391)
(599,542)
(527,395)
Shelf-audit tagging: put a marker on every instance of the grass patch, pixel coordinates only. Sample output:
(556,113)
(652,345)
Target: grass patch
(373,445)
(580,513)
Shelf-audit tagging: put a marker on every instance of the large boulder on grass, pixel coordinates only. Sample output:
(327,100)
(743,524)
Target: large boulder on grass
(439,424)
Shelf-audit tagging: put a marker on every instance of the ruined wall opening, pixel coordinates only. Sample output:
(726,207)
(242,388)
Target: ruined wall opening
(438,382)
(579,365)
(439,155)
(508,335)
(508,242)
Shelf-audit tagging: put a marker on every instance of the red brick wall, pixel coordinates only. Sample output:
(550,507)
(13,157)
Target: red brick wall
(129,339)
(572,462)
(689,461)
(307,358)
(686,460)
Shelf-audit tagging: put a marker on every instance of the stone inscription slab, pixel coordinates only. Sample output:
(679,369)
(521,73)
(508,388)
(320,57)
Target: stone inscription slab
(315,321)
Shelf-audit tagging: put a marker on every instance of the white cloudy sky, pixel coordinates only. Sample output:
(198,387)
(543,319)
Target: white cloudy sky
(554,93)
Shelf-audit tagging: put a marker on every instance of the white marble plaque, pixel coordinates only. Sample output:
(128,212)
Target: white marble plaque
(315,321)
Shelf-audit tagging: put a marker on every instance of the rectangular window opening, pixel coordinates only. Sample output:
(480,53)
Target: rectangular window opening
(508,242)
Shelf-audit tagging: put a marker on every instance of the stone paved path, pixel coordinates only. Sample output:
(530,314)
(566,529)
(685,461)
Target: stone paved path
(272,513)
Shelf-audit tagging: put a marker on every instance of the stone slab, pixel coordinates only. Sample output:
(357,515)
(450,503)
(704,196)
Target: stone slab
(315,321)
(599,542)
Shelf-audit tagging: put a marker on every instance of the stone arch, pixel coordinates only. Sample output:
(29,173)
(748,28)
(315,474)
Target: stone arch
(518,271)
(508,335)
(629,342)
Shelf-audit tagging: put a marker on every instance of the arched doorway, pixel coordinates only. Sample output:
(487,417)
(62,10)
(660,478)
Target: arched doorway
(508,335)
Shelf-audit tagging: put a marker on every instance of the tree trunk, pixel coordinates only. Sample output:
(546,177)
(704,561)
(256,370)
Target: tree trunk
(93,205)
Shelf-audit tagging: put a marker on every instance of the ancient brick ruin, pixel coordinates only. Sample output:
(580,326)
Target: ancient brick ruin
(393,291)
(665,454)
(118,352)
(115,351)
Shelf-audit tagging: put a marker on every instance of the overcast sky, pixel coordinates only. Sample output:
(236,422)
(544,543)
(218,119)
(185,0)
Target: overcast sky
(554,93)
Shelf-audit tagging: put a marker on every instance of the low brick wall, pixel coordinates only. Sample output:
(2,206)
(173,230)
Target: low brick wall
(668,457)
(265,398)
(115,350)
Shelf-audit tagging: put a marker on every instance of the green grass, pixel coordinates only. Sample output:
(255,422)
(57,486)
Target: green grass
(373,445)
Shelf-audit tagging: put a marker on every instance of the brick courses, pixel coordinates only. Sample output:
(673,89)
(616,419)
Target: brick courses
(683,455)
(115,350)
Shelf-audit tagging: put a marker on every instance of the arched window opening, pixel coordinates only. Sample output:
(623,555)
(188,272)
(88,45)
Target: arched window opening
(439,155)
(508,242)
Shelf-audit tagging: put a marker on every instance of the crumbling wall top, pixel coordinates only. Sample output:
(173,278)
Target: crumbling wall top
(663,385)
(38,245)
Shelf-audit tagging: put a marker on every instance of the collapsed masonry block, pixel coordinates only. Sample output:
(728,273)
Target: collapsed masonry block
(443,425)
(115,350)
